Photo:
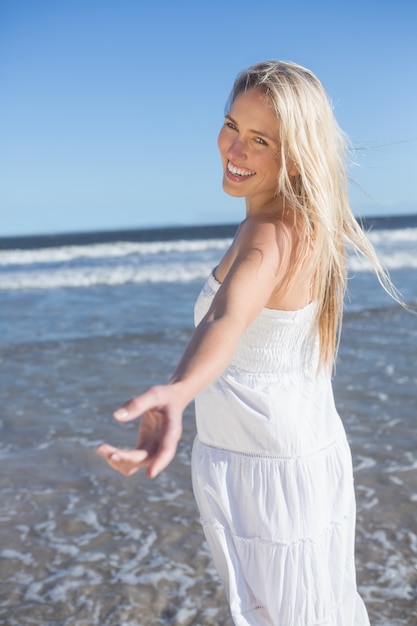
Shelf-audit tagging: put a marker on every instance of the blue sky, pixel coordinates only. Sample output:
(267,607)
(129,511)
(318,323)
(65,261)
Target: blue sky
(109,110)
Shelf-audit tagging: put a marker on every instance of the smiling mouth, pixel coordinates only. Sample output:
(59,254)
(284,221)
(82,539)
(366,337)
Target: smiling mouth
(239,171)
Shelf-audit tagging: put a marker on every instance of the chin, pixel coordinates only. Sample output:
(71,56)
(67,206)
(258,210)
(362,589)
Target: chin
(232,191)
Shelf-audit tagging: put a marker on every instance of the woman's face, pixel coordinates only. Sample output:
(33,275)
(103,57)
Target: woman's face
(250,150)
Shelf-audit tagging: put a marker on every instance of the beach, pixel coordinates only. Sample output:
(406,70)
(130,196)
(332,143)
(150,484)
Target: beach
(88,322)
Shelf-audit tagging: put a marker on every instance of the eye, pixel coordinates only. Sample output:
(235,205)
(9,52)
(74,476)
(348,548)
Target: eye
(261,141)
(229,124)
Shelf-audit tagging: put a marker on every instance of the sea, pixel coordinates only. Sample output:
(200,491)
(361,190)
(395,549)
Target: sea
(89,320)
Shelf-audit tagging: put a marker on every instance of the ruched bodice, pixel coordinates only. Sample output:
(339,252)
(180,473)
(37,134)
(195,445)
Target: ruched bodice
(277,342)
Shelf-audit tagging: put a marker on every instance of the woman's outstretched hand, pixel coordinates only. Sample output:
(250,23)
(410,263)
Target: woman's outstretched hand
(160,430)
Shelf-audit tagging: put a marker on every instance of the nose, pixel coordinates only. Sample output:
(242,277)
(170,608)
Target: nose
(237,150)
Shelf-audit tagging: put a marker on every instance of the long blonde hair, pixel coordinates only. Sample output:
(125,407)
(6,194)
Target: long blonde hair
(313,143)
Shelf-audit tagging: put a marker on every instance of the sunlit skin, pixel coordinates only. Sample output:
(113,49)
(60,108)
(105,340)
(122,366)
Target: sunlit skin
(249,140)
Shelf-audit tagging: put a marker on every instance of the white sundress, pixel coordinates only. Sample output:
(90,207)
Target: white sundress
(272,476)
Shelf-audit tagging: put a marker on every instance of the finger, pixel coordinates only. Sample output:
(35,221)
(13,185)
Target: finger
(128,466)
(106,451)
(137,406)
(127,462)
(160,461)
(166,451)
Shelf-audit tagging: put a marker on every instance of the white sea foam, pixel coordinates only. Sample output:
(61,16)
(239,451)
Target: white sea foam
(396,235)
(108,250)
(27,559)
(390,260)
(115,275)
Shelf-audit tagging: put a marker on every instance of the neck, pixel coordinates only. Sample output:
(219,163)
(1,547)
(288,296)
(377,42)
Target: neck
(274,206)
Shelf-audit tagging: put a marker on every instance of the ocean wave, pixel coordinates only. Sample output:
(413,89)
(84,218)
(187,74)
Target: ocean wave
(116,275)
(151,273)
(392,236)
(391,261)
(116,249)
(108,250)
(157,262)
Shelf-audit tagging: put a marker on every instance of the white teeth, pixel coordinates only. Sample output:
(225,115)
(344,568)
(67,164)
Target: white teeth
(237,171)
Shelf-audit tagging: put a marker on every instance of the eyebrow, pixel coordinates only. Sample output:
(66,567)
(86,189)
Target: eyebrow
(255,132)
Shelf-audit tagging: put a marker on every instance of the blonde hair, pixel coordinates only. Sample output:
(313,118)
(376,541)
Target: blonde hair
(313,145)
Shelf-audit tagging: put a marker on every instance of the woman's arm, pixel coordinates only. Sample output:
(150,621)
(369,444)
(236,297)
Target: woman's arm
(258,266)
(246,289)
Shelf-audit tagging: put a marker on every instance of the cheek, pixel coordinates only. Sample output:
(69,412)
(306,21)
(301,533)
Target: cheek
(275,166)
(222,141)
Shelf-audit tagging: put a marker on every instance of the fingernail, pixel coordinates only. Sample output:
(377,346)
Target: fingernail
(121,414)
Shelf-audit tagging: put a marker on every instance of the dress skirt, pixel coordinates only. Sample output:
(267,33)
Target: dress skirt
(284,554)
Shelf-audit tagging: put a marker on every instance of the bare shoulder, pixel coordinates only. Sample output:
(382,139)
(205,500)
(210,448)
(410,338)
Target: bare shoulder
(264,241)
(266,233)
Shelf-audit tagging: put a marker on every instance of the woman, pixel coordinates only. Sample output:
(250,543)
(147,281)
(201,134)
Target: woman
(272,470)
